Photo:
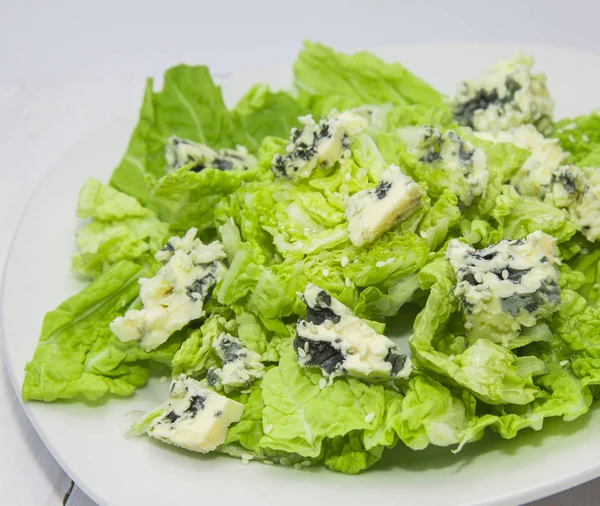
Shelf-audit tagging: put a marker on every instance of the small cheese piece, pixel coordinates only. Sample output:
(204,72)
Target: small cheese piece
(585,210)
(506,96)
(240,368)
(332,338)
(370,213)
(182,152)
(175,295)
(541,174)
(464,164)
(318,145)
(506,286)
(195,418)
(376,116)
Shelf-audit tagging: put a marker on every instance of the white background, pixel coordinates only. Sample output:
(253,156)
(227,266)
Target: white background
(67,67)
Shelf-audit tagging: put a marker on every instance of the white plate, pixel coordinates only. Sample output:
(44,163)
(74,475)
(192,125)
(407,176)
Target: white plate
(88,440)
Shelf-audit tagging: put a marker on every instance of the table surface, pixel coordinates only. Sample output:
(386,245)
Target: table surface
(53,90)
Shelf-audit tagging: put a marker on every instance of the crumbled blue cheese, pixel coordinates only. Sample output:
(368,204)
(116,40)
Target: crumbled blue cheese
(506,96)
(376,116)
(318,145)
(195,418)
(332,338)
(465,165)
(240,368)
(175,295)
(585,210)
(370,213)
(540,171)
(182,152)
(506,286)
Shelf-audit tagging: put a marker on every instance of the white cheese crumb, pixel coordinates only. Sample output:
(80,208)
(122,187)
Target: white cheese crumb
(370,417)
(504,274)
(247,456)
(563,363)
(284,461)
(381,263)
(423,234)
(347,177)
(344,261)
(306,463)
(325,272)
(301,353)
(298,466)
(268,428)
(322,383)
(267,462)
(585,138)
(571,138)
(348,282)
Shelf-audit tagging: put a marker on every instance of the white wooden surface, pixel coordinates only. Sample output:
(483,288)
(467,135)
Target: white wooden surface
(65,40)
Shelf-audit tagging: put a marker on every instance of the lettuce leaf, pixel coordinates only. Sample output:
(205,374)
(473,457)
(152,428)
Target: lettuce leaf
(300,415)
(561,395)
(579,137)
(588,264)
(361,78)
(491,372)
(120,229)
(78,354)
(191,106)
(262,113)
(576,343)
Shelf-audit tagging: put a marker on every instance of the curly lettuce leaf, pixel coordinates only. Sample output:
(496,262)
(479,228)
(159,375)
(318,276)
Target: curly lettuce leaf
(491,372)
(120,229)
(187,199)
(588,265)
(361,78)
(262,112)
(300,415)
(439,220)
(529,215)
(576,343)
(191,106)
(77,353)
(579,137)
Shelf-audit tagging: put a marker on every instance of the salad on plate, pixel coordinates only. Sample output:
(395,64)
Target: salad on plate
(261,256)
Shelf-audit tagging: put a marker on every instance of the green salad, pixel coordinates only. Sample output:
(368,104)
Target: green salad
(259,256)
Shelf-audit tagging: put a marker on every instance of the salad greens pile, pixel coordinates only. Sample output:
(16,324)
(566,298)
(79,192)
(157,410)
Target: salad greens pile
(259,253)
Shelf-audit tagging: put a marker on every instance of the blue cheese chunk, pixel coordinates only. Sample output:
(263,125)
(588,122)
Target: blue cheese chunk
(370,213)
(506,286)
(464,164)
(541,174)
(195,418)
(506,96)
(318,145)
(585,210)
(241,366)
(182,152)
(175,295)
(332,338)
(376,116)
